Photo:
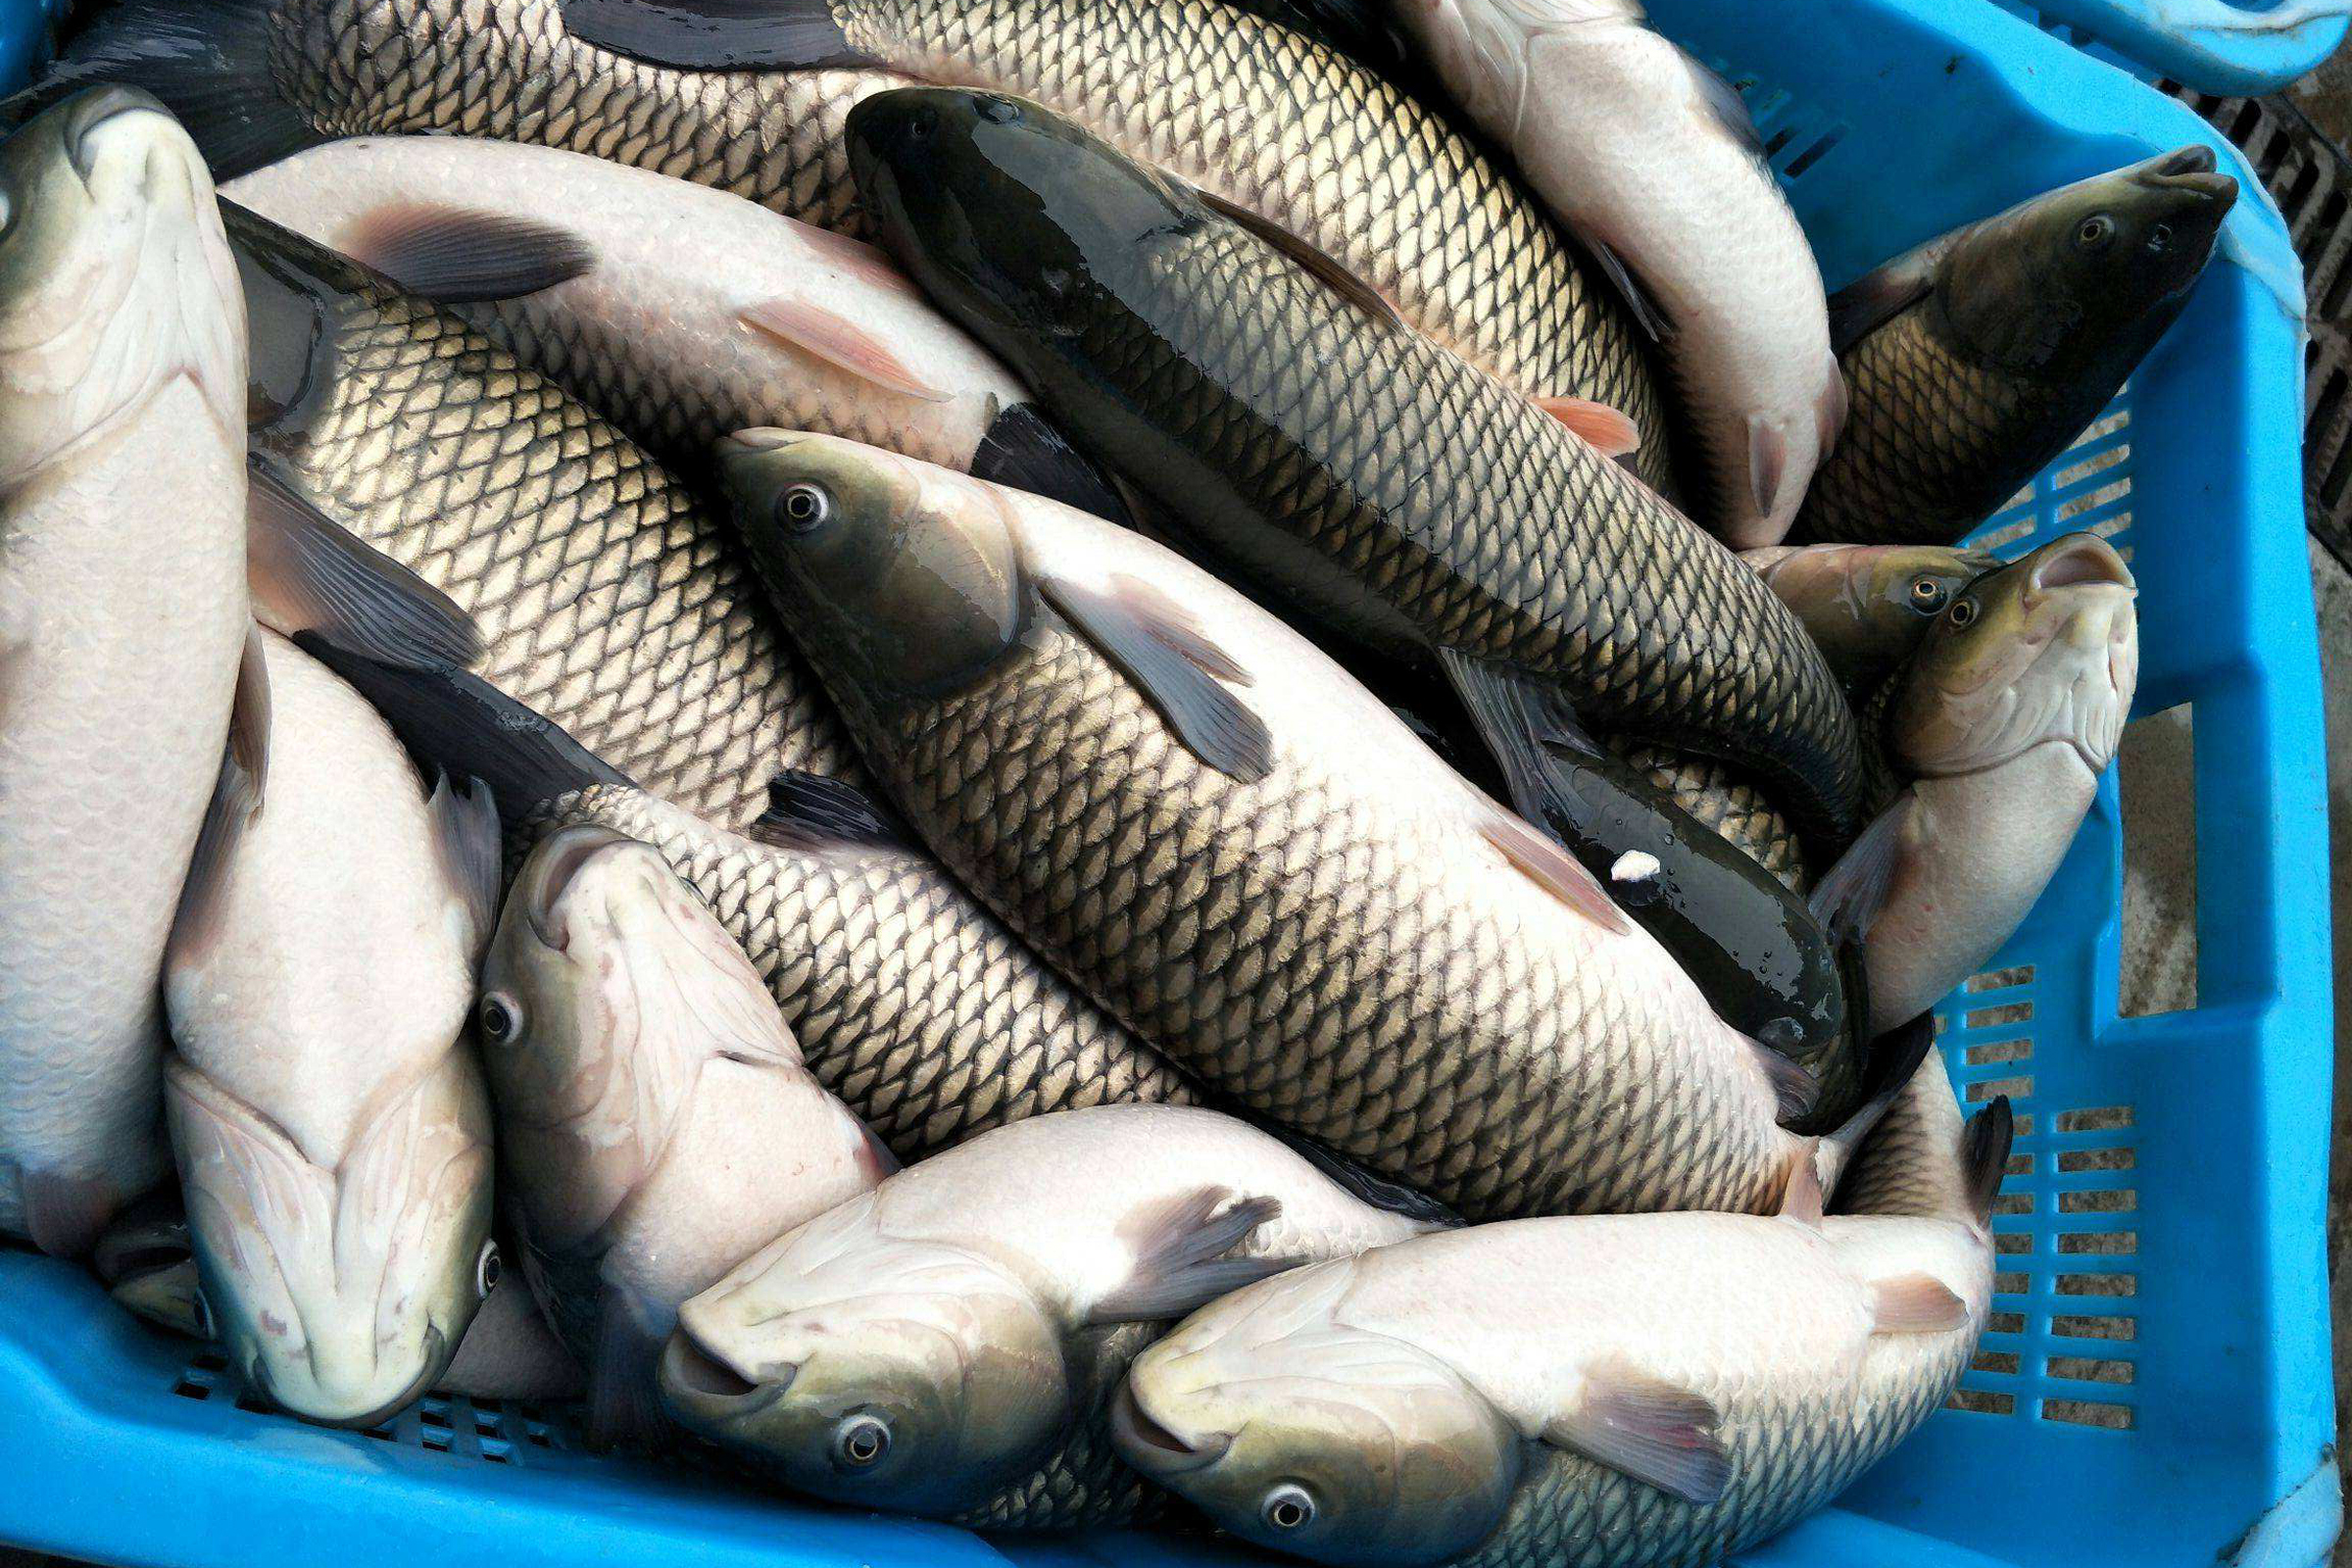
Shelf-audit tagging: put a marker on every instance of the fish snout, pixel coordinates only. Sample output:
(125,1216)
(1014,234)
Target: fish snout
(2077,561)
(99,128)
(703,1388)
(1153,1446)
(566,856)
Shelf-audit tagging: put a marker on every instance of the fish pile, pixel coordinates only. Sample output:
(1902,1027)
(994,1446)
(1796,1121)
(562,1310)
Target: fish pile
(1018,759)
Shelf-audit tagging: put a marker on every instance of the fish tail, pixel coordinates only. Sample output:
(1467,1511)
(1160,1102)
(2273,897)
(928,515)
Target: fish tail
(207,61)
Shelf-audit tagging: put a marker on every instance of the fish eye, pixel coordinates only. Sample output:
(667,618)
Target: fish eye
(922,122)
(2096,232)
(860,1441)
(205,1328)
(1964,613)
(1926,594)
(804,508)
(488,1269)
(2160,236)
(501,1019)
(7,210)
(1288,1508)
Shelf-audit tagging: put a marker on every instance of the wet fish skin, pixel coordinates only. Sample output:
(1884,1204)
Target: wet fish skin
(960,1319)
(1379,484)
(1300,930)
(689,312)
(606,596)
(331,1128)
(122,612)
(1869,606)
(1737,809)
(1974,359)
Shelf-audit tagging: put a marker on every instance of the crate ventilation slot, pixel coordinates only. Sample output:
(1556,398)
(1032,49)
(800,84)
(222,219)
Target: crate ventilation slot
(1795,138)
(495,1431)
(2088,489)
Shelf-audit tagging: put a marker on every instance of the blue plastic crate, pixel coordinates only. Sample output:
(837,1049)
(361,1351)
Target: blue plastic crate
(2157,1389)
(2229,48)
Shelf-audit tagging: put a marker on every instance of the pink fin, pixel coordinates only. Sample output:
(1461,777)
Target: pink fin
(66,1214)
(1767,463)
(1612,431)
(1551,868)
(1802,1200)
(839,341)
(1650,1430)
(1915,1303)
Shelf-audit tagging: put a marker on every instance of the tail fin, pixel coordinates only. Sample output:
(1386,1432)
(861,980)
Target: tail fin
(1984,1156)
(1893,1061)
(207,60)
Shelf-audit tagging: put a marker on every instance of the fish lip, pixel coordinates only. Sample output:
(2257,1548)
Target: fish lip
(96,108)
(2078,561)
(2195,159)
(435,1343)
(687,1363)
(1150,1446)
(575,848)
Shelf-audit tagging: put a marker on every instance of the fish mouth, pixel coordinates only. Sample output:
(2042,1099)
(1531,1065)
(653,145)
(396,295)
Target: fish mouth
(2192,172)
(1151,1446)
(701,1387)
(569,854)
(761,438)
(433,1364)
(2078,561)
(94,126)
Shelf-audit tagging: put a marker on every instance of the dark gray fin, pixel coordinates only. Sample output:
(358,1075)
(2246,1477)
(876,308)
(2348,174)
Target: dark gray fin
(1647,312)
(1179,1262)
(457,256)
(309,573)
(1895,1058)
(840,342)
(1022,449)
(624,1403)
(1794,1091)
(810,812)
(1658,1434)
(206,61)
(1915,1303)
(1829,415)
(1985,1155)
(1848,899)
(1355,1180)
(457,723)
(716,34)
(1767,461)
(236,801)
(1729,108)
(1159,646)
(1878,297)
(64,1215)
(1318,263)
(465,829)
(1611,433)
(151,1232)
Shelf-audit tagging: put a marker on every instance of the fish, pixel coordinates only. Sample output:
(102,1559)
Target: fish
(1395,495)
(908,998)
(679,312)
(1868,606)
(925,1347)
(1579,1392)
(2002,722)
(122,618)
(656,1122)
(330,1119)
(148,1266)
(1974,359)
(1215,831)
(1737,811)
(599,589)
(1652,161)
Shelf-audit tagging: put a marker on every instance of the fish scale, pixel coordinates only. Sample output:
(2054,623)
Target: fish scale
(909,1000)
(607,599)
(1052,786)
(1732,806)
(1469,511)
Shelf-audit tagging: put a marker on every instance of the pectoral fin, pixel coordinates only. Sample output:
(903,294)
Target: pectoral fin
(625,1406)
(1311,257)
(466,831)
(1985,1155)
(1915,1303)
(1660,1435)
(842,343)
(1611,431)
(1878,297)
(1849,898)
(1179,1253)
(1159,646)
(65,1214)
(808,811)
(236,801)
(309,573)
(455,256)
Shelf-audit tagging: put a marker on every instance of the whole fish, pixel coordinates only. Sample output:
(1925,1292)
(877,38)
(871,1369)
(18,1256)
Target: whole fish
(605,595)
(680,312)
(1358,472)
(1659,1390)
(1977,357)
(656,1123)
(928,1348)
(2003,722)
(1465,255)
(330,1119)
(1868,606)
(908,998)
(1216,831)
(1652,161)
(122,615)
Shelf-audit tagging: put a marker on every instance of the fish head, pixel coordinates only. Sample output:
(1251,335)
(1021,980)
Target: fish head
(2046,648)
(2082,280)
(1869,606)
(1479,47)
(1005,212)
(1292,1429)
(901,579)
(870,1369)
(114,278)
(339,1285)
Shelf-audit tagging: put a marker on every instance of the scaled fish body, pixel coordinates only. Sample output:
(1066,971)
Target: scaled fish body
(656,1122)
(1653,1390)
(1215,830)
(928,1348)
(1651,160)
(1974,359)
(123,612)
(330,1119)
(680,312)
